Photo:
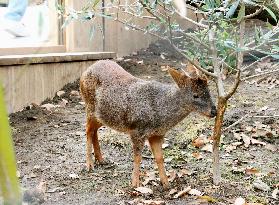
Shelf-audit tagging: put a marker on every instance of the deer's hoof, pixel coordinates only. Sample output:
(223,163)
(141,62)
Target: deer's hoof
(89,166)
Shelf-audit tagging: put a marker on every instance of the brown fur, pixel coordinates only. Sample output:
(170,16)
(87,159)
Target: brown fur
(142,109)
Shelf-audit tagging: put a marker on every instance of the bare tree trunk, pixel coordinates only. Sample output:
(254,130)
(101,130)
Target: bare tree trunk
(221,108)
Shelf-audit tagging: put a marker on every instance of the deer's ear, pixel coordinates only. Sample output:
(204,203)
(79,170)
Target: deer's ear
(178,77)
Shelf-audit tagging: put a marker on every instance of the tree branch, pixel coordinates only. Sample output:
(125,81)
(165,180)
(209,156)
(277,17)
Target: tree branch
(239,58)
(260,74)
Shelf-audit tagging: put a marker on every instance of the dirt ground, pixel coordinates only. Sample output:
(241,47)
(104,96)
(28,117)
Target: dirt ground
(50,147)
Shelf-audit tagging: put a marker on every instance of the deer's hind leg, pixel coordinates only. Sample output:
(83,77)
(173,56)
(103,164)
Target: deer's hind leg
(156,147)
(92,126)
(138,144)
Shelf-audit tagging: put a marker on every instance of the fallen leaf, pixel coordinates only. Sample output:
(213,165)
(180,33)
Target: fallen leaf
(251,171)
(140,62)
(257,142)
(198,143)
(263,109)
(246,139)
(208,198)
(275,193)
(197,155)
(144,190)
(172,176)
(63,103)
(152,202)
(182,193)
(82,103)
(239,201)
(184,172)
(271,147)
(74,93)
(172,191)
(207,148)
(49,106)
(73,176)
(230,148)
(57,189)
(195,192)
(259,184)
(60,93)
(150,177)
(165,145)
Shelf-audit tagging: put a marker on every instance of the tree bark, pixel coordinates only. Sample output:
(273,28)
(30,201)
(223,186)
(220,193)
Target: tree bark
(221,108)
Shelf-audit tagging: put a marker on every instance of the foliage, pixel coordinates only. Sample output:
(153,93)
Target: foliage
(9,185)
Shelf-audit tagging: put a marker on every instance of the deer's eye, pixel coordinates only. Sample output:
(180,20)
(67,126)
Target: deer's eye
(196,96)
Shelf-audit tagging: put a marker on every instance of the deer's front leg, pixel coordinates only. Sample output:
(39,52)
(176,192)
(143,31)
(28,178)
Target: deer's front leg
(137,149)
(156,147)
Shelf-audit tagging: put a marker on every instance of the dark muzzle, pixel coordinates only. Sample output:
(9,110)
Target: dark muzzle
(213,112)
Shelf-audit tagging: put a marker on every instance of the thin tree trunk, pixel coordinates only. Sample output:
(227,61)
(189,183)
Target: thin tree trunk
(221,108)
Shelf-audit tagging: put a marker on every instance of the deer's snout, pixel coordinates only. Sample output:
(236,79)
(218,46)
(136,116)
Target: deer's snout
(213,112)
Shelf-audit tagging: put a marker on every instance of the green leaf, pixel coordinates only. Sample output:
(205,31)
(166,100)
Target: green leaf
(275,56)
(270,13)
(232,9)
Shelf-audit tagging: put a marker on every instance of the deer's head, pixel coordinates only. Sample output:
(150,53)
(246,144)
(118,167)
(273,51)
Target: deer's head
(194,85)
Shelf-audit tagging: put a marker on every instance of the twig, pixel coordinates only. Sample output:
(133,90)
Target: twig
(193,62)
(265,116)
(192,21)
(239,60)
(236,122)
(255,13)
(260,74)
(255,62)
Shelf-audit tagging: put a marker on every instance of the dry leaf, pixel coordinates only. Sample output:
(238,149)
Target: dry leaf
(182,193)
(165,145)
(60,93)
(150,177)
(195,192)
(172,191)
(152,202)
(197,155)
(74,176)
(239,201)
(144,190)
(49,106)
(271,147)
(254,141)
(198,143)
(207,148)
(246,139)
(237,136)
(259,184)
(74,93)
(251,171)
(172,176)
(140,62)
(208,198)
(184,172)
(275,193)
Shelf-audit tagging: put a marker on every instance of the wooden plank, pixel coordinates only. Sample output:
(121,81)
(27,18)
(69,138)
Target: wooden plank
(54,58)
(32,50)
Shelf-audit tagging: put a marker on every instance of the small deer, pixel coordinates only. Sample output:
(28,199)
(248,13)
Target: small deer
(145,110)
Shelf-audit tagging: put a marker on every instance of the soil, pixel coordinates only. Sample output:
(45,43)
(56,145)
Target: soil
(50,146)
